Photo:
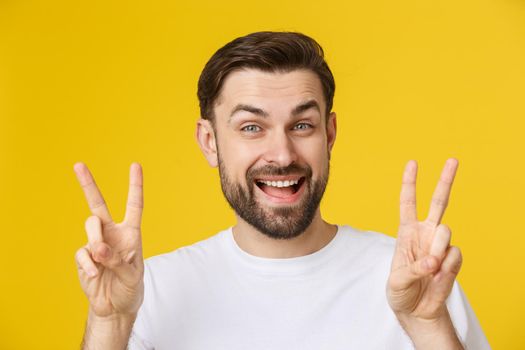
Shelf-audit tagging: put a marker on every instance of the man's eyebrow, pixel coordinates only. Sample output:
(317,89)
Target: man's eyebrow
(306,106)
(248,108)
(259,112)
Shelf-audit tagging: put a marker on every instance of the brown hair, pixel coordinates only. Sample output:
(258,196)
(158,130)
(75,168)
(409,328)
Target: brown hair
(269,52)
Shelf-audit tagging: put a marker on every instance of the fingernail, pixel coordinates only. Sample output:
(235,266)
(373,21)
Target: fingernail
(92,272)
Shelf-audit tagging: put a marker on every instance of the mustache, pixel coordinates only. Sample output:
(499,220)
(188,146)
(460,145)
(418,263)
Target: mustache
(269,170)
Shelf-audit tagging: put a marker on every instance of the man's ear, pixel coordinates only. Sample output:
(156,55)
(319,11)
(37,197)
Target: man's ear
(331,130)
(206,139)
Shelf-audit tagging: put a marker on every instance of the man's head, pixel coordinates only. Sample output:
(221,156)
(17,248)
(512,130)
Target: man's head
(268,52)
(265,102)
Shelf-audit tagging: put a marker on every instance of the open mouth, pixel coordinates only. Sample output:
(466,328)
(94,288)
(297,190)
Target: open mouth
(281,189)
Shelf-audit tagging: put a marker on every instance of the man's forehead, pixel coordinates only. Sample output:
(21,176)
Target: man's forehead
(251,85)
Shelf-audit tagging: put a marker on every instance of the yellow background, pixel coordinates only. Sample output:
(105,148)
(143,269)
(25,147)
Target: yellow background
(111,82)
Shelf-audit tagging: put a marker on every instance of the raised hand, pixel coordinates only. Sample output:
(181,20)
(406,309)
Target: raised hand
(110,265)
(424,265)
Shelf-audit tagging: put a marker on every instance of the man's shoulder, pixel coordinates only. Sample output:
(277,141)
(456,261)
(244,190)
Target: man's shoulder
(369,253)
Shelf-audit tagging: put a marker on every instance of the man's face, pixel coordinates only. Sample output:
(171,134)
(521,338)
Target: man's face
(273,146)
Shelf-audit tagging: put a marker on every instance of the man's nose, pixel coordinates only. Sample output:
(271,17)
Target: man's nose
(280,149)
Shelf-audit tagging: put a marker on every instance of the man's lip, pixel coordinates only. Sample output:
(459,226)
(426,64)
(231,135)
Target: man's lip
(280,178)
(289,200)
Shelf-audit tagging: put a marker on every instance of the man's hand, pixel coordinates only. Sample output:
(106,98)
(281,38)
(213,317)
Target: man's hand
(110,265)
(424,266)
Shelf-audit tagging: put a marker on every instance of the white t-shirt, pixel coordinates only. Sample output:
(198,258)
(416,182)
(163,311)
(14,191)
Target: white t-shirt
(214,295)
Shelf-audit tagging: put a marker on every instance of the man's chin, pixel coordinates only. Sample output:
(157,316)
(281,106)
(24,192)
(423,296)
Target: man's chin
(280,230)
(282,222)
(282,210)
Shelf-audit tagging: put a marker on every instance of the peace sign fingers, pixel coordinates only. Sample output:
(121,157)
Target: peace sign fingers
(92,193)
(135,196)
(442,192)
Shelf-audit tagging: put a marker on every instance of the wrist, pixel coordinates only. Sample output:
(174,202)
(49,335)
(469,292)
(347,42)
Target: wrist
(112,319)
(108,332)
(428,334)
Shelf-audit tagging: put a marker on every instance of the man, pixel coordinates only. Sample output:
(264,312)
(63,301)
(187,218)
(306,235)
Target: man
(282,277)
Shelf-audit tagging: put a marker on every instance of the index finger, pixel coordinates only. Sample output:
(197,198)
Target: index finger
(135,196)
(96,202)
(442,192)
(408,210)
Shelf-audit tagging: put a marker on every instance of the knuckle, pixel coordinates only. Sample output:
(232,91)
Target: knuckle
(440,202)
(408,202)
(444,230)
(444,227)
(79,253)
(82,258)
(457,252)
(135,203)
(91,222)
(88,182)
(92,218)
(97,204)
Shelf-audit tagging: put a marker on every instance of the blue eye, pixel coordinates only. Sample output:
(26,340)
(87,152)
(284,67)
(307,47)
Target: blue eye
(251,128)
(302,126)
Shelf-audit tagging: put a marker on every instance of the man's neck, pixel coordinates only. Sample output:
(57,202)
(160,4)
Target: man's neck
(315,237)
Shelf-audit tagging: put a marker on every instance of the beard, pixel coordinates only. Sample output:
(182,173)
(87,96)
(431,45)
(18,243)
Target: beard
(284,222)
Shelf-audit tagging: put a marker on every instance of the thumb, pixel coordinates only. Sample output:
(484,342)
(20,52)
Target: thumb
(124,270)
(405,276)
(103,254)
(100,251)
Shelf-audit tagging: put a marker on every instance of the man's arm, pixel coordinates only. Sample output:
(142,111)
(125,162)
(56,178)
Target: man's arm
(110,266)
(425,266)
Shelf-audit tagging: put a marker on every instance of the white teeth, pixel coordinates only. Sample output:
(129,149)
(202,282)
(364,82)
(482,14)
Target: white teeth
(280,183)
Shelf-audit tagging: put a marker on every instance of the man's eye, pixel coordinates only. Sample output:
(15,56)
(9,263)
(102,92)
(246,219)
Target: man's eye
(302,126)
(251,128)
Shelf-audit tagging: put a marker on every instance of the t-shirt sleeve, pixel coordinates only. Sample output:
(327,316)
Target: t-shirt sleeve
(467,325)
(141,334)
